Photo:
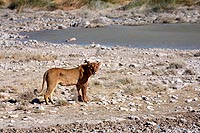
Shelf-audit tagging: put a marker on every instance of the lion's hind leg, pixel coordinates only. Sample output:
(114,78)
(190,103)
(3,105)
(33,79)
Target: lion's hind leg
(49,93)
(50,98)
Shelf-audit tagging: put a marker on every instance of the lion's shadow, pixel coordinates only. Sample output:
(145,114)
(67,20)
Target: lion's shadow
(36,101)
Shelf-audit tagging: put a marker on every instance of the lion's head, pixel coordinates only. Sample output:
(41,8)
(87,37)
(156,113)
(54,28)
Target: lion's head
(92,67)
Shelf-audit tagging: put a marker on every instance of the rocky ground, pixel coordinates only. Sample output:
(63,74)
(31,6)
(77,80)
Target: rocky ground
(136,90)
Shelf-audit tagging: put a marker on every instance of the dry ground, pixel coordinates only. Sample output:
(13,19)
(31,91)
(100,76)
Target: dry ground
(147,83)
(141,90)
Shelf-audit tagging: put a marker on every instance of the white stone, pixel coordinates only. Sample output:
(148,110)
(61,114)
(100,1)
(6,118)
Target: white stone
(12,121)
(189,100)
(123,109)
(14,116)
(150,108)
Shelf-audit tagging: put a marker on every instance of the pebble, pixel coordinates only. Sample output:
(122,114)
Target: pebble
(133,117)
(172,101)
(14,116)
(12,121)
(189,100)
(71,39)
(39,109)
(72,102)
(124,109)
(151,123)
(26,118)
(174,97)
(145,98)
(150,108)
(133,109)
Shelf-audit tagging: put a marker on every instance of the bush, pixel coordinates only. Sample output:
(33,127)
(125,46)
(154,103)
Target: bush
(159,4)
(72,4)
(19,4)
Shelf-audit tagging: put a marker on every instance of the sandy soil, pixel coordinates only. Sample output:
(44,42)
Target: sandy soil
(136,90)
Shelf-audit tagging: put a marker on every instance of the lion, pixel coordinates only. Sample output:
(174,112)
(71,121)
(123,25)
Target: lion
(66,77)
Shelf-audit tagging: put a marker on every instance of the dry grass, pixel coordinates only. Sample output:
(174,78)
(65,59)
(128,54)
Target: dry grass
(62,102)
(134,89)
(2,96)
(2,56)
(39,57)
(28,57)
(8,89)
(3,106)
(96,83)
(138,88)
(158,72)
(189,72)
(158,5)
(73,4)
(26,96)
(176,65)
(4,89)
(125,81)
(21,107)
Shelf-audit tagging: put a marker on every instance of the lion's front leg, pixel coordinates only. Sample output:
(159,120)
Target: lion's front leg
(79,93)
(84,91)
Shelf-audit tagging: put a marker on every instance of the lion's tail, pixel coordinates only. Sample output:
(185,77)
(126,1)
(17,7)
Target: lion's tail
(41,92)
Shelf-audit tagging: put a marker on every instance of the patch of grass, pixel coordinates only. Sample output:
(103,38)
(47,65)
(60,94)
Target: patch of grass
(3,89)
(2,3)
(158,72)
(39,57)
(26,96)
(170,72)
(20,107)
(70,4)
(74,4)
(133,4)
(21,4)
(32,3)
(75,55)
(134,89)
(138,88)
(189,72)
(3,106)
(8,89)
(176,65)
(187,2)
(61,102)
(125,80)
(28,57)
(157,5)
(96,83)
(2,96)
(94,4)
(155,87)
(2,56)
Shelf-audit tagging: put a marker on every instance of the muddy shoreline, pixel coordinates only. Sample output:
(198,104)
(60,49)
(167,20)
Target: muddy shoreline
(141,90)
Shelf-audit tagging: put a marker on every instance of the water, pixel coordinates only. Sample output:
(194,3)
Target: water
(179,36)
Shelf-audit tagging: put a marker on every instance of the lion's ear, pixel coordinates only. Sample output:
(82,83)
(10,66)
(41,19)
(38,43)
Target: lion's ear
(86,61)
(98,64)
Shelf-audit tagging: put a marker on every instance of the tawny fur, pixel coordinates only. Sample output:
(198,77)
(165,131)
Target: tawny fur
(76,76)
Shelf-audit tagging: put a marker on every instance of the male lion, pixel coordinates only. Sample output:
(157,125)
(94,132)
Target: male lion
(76,76)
